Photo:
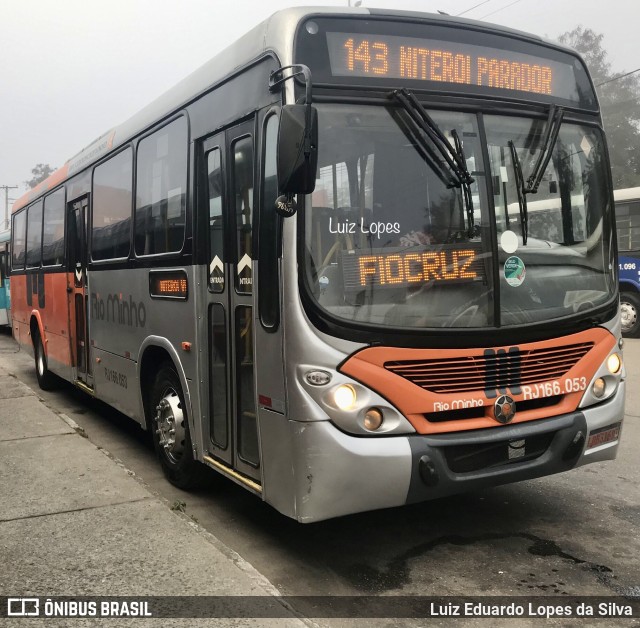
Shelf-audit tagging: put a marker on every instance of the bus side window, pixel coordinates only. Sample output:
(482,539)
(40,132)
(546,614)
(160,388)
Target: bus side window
(34,235)
(161,190)
(18,238)
(53,229)
(628,225)
(111,232)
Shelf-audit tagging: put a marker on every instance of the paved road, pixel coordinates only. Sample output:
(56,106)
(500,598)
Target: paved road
(576,533)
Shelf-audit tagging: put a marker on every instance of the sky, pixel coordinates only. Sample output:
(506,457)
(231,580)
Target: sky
(72,69)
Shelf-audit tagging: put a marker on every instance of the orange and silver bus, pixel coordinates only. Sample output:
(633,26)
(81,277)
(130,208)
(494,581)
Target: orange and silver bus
(311,266)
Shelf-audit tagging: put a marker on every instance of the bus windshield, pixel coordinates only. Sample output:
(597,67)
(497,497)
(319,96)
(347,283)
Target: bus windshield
(392,238)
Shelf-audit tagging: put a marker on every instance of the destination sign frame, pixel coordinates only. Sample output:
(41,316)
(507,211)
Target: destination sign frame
(466,60)
(412,267)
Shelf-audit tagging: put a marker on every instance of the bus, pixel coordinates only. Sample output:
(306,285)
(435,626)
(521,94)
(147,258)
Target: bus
(627,204)
(303,266)
(5,292)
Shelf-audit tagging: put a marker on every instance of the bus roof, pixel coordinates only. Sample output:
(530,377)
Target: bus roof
(626,194)
(275,34)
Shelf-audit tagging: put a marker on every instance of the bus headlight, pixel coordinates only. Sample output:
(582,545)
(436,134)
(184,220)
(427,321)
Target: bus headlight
(344,397)
(605,381)
(614,363)
(349,405)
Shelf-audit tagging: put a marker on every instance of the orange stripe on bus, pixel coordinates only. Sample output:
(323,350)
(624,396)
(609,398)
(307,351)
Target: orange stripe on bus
(415,402)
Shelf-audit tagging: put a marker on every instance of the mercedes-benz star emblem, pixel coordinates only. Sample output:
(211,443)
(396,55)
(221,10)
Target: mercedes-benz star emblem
(504,409)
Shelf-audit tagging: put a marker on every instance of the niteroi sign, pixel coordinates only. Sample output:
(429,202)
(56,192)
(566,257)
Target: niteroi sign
(388,56)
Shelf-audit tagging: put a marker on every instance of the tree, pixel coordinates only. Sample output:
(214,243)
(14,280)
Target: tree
(40,172)
(620,103)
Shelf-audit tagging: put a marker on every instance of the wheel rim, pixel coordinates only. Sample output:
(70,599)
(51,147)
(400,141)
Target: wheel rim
(170,425)
(628,315)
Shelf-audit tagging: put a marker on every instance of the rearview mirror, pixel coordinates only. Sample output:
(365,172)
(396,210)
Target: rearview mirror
(297,149)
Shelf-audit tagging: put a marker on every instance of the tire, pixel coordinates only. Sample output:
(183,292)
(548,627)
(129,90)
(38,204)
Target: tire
(170,430)
(46,379)
(630,314)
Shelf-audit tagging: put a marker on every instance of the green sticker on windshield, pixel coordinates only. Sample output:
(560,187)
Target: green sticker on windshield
(514,271)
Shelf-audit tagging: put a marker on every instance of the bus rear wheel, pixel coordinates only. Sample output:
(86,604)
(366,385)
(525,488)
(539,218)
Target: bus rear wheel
(170,430)
(630,314)
(46,379)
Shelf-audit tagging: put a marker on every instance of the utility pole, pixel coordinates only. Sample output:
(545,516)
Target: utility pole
(6,188)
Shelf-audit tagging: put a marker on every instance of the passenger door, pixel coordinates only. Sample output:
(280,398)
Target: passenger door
(77,216)
(229,205)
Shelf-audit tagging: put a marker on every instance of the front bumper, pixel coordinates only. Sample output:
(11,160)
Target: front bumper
(338,474)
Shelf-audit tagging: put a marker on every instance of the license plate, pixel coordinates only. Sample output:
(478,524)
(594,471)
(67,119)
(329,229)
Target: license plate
(603,436)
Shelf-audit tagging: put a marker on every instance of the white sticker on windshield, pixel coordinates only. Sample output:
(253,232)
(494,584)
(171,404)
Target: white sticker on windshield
(586,145)
(504,175)
(509,242)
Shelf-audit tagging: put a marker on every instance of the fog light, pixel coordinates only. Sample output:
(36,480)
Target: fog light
(614,363)
(598,387)
(345,397)
(373,419)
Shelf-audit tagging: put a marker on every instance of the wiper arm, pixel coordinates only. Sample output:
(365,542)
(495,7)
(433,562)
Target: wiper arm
(453,155)
(554,122)
(426,151)
(550,136)
(466,184)
(426,124)
(522,193)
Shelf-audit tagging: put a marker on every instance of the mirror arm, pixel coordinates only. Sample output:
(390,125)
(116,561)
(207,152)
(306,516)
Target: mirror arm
(276,79)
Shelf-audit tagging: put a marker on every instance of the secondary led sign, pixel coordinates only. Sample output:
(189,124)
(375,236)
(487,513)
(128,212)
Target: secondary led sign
(388,56)
(168,284)
(399,268)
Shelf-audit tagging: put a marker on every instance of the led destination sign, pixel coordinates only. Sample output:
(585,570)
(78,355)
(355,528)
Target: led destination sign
(438,62)
(401,268)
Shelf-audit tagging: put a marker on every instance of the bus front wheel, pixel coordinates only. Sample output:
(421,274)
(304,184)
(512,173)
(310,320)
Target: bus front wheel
(46,379)
(630,314)
(170,430)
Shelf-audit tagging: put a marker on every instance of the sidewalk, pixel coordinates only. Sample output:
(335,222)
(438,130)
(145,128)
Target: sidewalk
(75,522)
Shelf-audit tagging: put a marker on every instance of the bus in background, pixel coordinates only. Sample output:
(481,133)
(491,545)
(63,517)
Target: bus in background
(627,203)
(312,267)
(5,292)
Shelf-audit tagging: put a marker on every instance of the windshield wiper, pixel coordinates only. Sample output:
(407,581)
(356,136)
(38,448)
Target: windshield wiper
(554,122)
(522,194)
(425,150)
(466,184)
(453,155)
(550,136)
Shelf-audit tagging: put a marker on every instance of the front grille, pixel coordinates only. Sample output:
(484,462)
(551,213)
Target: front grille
(495,369)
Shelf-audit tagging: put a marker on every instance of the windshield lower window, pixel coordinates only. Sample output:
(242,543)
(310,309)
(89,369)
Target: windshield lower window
(395,238)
